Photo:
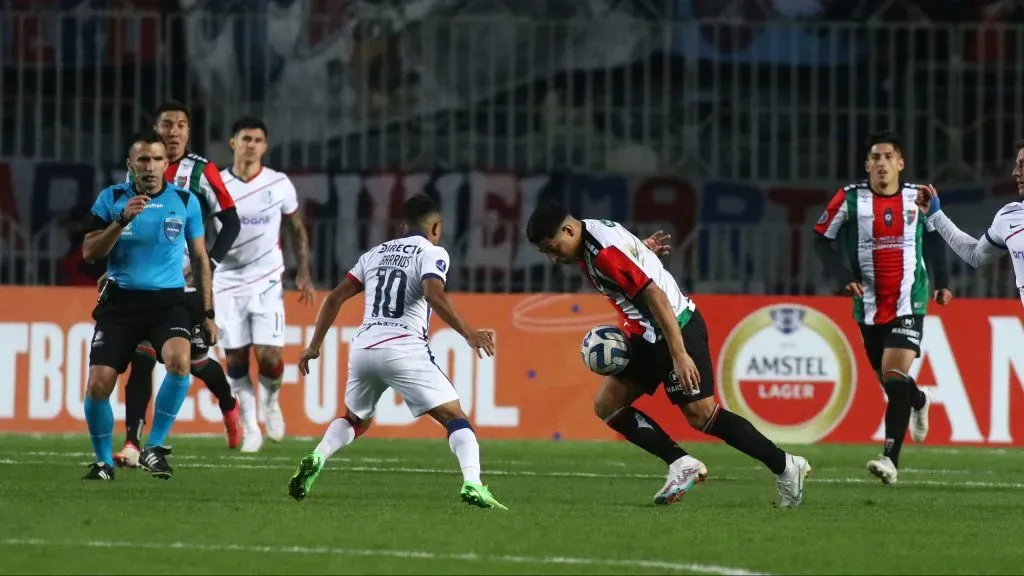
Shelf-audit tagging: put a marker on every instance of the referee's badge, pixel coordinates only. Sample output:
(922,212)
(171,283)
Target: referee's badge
(173,228)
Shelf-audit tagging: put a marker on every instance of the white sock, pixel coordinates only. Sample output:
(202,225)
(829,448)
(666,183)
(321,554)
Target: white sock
(465,447)
(242,387)
(271,388)
(339,434)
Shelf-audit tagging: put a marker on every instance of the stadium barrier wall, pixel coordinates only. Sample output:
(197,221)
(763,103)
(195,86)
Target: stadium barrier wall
(794,366)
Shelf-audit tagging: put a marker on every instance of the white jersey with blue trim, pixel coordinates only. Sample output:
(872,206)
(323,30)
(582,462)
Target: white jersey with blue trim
(396,314)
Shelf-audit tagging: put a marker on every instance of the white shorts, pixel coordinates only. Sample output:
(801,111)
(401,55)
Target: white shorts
(250,319)
(411,373)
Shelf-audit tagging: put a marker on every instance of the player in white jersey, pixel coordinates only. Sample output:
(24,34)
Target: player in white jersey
(668,345)
(403,280)
(1002,237)
(247,288)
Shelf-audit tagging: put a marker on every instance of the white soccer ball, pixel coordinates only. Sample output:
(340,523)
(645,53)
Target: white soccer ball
(605,350)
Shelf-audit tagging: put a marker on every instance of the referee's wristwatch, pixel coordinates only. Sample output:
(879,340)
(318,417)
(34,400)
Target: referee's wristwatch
(210,314)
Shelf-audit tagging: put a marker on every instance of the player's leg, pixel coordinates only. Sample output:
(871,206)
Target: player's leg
(267,325)
(362,392)
(212,374)
(113,343)
(172,337)
(900,346)
(427,390)
(706,415)
(137,394)
(235,338)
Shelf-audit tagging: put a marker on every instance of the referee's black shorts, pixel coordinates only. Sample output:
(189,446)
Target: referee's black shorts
(127,317)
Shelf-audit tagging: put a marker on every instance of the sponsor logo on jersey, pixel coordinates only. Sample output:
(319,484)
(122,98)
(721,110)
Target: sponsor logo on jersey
(441,265)
(823,218)
(789,370)
(888,217)
(257,221)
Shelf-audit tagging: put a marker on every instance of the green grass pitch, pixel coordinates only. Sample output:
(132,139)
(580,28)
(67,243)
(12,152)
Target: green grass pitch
(575,508)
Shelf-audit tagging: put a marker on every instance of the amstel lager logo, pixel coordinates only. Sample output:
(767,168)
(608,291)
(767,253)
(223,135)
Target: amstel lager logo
(790,370)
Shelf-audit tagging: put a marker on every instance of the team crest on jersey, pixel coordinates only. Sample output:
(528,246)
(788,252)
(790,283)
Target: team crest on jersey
(173,228)
(910,215)
(888,217)
(181,181)
(441,265)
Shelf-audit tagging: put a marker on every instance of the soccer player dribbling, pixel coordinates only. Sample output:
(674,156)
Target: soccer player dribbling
(892,248)
(668,346)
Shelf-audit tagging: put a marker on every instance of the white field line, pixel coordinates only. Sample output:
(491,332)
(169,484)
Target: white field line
(384,553)
(214,464)
(258,459)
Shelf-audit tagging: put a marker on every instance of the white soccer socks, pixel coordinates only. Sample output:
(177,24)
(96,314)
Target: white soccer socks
(462,441)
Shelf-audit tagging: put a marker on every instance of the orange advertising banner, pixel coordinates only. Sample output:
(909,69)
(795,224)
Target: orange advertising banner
(793,366)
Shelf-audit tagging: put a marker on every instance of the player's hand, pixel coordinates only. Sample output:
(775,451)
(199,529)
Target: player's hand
(482,342)
(307,291)
(307,355)
(210,332)
(687,372)
(927,200)
(135,207)
(942,297)
(658,243)
(854,289)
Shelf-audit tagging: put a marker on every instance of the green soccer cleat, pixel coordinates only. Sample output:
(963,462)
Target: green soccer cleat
(309,468)
(479,495)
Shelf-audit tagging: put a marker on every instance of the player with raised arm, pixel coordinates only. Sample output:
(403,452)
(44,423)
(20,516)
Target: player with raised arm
(1002,237)
(199,176)
(668,343)
(889,246)
(248,285)
(142,228)
(404,280)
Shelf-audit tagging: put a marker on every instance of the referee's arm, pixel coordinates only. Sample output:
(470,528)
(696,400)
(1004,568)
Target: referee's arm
(195,235)
(106,227)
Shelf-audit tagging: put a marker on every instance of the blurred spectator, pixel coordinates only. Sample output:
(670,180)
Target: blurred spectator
(72,269)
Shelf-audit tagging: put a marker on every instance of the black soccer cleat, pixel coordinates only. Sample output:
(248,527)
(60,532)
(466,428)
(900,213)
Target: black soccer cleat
(154,459)
(99,471)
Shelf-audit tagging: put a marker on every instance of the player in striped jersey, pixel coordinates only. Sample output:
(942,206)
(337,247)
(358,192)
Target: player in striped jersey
(668,345)
(1002,237)
(888,243)
(200,176)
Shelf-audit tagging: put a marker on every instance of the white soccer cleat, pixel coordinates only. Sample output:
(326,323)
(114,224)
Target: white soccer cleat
(683,474)
(919,418)
(791,482)
(252,442)
(274,419)
(884,469)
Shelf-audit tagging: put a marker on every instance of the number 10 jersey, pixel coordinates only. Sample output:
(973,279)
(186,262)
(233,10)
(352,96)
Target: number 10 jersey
(395,314)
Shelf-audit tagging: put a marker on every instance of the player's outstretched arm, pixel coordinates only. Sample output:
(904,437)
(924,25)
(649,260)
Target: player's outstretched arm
(974,251)
(434,293)
(657,302)
(325,318)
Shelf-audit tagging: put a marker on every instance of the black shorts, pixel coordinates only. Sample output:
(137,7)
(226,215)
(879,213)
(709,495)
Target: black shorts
(650,364)
(127,317)
(904,333)
(200,349)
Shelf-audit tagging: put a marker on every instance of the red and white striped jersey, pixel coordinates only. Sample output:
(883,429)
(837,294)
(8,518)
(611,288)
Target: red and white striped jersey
(621,266)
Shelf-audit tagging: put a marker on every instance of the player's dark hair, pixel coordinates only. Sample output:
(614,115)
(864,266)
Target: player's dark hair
(885,137)
(418,208)
(249,123)
(145,136)
(174,106)
(1018,145)
(545,221)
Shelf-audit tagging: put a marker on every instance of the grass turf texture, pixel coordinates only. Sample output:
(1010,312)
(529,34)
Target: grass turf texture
(383,506)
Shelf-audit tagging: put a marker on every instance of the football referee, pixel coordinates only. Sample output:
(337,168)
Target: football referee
(142,228)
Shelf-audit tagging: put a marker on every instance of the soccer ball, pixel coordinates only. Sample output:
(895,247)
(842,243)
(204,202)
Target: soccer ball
(605,350)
